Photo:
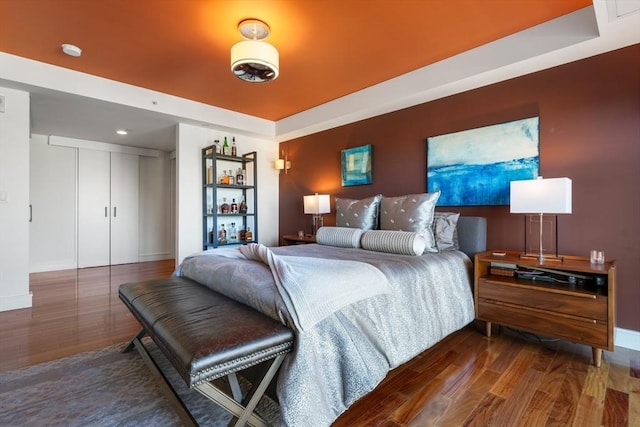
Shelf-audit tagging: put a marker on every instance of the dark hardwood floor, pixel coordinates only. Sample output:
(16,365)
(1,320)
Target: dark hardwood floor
(510,379)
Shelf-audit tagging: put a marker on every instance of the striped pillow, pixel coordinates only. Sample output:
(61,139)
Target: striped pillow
(394,242)
(341,237)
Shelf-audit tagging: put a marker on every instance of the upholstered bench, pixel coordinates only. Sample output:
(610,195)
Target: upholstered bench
(206,335)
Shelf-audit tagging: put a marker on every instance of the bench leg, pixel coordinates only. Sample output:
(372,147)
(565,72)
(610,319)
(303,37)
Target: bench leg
(163,381)
(244,413)
(131,344)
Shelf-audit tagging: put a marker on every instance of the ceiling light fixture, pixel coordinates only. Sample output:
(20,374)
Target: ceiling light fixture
(254,60)
(71,50)
(122,132)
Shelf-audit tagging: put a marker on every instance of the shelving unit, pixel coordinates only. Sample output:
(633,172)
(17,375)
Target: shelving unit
(571,299)
(214,194)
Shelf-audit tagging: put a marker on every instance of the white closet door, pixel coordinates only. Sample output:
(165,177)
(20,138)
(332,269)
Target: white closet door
(52,192)
(124,208)
(93,208)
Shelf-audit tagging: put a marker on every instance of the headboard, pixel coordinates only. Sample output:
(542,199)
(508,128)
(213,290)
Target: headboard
(472,234)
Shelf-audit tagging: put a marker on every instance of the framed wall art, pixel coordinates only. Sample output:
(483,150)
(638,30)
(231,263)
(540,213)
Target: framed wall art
(474,167)
(356,166)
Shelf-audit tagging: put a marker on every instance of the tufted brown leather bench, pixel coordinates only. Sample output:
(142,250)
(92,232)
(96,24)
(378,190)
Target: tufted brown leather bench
(206,335)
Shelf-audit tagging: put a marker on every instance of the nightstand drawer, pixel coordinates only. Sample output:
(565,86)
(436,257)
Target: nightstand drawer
(588,331)
(586,305)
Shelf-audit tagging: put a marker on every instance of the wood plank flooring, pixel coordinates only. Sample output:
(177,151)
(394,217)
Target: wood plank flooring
(510,379)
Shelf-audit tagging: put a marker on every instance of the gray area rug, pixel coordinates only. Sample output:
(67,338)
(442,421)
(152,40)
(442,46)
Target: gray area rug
(104,388)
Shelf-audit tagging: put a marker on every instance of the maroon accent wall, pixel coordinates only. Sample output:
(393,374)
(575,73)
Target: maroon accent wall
(589,131)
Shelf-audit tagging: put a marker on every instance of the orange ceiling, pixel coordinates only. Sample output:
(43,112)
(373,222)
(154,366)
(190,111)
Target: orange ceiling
(328,48)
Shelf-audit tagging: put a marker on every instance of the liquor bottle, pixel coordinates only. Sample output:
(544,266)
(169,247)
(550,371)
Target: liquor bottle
(248,236)
(225,178)
(239,177)
(243,207)
(217,144)
(234,147)
(211,236)
(234,206)
(233,235)
(222,234)
(225,147)
(242,235)
(225,206)
(232,179)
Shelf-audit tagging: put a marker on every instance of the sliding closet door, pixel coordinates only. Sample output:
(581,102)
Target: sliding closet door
(124,208)
(93,208)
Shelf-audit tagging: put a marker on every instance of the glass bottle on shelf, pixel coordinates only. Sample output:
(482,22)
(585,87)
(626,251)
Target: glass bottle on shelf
(222,234)
(248,235)
(225,147)
(224,208)
(234,206)
(233,235)
(242,235)
(234,147)
(232,179)
(243,207)
(217,144)
(239,177)
(211,236)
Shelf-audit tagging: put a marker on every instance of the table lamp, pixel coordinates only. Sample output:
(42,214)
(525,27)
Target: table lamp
(537,197)
(316,204)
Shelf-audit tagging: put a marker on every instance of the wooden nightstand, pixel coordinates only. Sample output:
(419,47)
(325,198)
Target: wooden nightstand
(570,299)
(294,239)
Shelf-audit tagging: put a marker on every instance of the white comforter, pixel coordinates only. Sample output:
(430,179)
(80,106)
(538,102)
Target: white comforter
(347,354)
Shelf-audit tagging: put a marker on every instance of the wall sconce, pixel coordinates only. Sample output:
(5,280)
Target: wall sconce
(282,164)
(316,204)
(537,197)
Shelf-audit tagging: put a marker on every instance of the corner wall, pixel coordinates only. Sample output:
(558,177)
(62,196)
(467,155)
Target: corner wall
(14,200)
(589,131)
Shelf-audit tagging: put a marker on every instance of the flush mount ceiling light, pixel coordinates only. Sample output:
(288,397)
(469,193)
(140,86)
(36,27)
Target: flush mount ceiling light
(71,50)
(254,60)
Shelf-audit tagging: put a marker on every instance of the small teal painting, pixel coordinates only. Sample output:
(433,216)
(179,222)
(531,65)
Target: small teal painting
(474,167)
(356,166)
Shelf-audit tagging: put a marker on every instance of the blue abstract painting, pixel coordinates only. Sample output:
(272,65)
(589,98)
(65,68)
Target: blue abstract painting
(356,166)
(474,167)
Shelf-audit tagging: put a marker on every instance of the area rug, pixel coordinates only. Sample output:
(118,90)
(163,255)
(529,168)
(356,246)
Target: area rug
(105,388)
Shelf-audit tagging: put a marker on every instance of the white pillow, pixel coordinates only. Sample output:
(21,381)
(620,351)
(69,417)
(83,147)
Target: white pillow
(394,242)
(341,237)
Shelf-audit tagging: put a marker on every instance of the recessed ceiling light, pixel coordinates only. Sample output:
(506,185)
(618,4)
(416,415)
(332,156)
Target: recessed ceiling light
(122,132)
(71,50)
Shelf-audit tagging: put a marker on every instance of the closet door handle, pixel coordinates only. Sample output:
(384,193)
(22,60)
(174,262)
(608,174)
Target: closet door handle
(106,211)
(30,213)
(114,211)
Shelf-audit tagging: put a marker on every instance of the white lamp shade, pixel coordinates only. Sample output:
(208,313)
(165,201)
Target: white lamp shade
(317,204)
(259,56)
(278,164)
(550,196)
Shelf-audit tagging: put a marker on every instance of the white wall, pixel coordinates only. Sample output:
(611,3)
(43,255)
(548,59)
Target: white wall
(191,140)
(155,203)
(14,200)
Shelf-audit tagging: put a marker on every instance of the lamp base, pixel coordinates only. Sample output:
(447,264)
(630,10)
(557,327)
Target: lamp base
(317,221)
(542,258)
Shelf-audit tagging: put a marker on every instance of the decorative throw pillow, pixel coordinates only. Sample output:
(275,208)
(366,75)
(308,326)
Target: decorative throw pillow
(394,242)
(445,230)
(341,237)
(355,213)
(412,212)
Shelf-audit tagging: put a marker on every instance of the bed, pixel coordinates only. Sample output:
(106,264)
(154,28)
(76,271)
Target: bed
(359,329)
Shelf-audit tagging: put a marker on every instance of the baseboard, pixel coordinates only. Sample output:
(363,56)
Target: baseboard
(65,265)
(155,257)
(627,338)
(15,302)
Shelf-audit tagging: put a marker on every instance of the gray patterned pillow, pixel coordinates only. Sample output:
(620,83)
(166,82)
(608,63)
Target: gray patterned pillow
(394,242)
(341,237)
(355,213)
(445,230)
(412,212)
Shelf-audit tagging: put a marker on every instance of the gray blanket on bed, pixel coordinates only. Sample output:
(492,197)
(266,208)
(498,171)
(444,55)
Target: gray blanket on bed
(314,288)
(347,354)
